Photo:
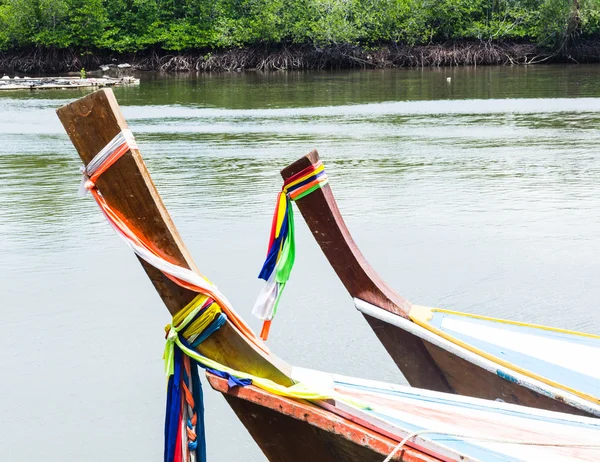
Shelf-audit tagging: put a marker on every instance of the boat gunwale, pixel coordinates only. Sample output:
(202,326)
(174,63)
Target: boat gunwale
(418,319)
(489,365)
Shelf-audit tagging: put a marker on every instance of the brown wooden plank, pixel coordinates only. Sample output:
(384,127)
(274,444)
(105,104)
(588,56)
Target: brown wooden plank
(91,122)
(294,431)
(321,213)
(324,219)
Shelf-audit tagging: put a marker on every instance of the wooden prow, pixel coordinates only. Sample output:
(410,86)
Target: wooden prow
(325,221)
(321,213)
(91,122)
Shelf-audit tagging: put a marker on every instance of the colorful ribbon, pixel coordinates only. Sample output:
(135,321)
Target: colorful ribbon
(121,144)
(112,152)
(185,438)
(281,251)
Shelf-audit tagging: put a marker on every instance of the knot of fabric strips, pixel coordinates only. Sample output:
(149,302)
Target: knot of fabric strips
(113,151)
(281,251)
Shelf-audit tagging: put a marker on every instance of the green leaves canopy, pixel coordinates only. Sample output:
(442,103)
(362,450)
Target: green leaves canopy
(134,25)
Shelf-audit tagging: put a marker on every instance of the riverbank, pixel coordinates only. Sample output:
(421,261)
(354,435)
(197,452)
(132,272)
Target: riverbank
(458,53)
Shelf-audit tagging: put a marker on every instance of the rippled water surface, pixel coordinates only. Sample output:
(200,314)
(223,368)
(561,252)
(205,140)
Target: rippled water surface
(480,195)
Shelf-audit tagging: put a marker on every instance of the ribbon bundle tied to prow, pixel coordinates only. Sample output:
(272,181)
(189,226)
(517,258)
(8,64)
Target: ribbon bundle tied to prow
(281,251)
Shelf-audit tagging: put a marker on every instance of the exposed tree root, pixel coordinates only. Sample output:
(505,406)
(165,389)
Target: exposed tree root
(305,57)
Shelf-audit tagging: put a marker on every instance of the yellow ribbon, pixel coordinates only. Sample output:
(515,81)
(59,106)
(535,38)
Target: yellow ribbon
(180,321)
(187,314)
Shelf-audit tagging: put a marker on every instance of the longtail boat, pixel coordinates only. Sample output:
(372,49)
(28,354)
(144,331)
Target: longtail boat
(293,414)
(455,352)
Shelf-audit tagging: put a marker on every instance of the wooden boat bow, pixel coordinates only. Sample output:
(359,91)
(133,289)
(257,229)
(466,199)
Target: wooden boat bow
(428,356)
(323,217)
(91,122)
(321,213)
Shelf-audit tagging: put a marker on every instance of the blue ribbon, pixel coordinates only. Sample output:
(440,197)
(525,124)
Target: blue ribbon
(214,326)
(231,380)
(200,443)
(271,260)
(172,415)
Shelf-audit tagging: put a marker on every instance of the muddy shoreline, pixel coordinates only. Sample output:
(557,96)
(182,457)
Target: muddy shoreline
(269,58)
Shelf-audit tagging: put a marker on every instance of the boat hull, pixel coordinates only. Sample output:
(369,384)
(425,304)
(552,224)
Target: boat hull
(466,378)
(290,431)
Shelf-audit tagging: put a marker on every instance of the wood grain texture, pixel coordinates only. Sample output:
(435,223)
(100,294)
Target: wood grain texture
(91,122)
(293,431)
(321,213)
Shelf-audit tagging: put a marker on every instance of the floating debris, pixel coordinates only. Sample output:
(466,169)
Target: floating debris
(46,83)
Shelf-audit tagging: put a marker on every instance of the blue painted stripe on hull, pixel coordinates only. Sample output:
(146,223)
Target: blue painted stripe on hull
(551,371)
(558,374)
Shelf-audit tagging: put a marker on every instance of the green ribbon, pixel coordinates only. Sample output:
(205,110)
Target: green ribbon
(284,266)
(169,354)
(288,253)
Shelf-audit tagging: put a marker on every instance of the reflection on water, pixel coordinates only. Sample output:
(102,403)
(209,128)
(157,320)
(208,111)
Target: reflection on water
(480,195)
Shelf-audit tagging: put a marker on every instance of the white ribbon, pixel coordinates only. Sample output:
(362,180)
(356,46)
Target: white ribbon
(124,136)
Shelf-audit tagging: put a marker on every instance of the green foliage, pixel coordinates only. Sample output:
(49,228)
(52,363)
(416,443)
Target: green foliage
(554,19)
(52,23)
(135,25)
(589,12)
(6,37)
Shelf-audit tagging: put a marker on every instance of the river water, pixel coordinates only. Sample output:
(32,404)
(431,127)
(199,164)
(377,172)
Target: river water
(480,194)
